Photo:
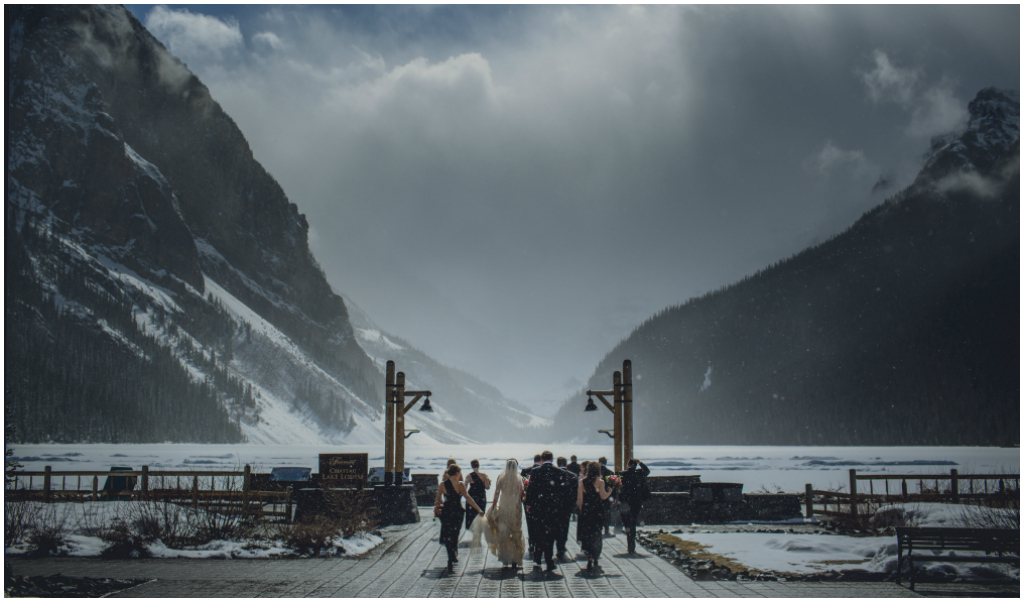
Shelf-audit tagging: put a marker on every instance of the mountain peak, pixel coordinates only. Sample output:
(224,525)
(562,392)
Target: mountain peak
(992,129)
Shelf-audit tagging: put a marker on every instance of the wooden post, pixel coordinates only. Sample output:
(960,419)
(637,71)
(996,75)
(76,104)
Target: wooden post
(853,492)
(954,485)
(145,482)
(627,411)
(288,504)
(808,501)
(399,427)
(46,483)
(617,421)
(246,485)
(195,492)
(95,487)
(389,424)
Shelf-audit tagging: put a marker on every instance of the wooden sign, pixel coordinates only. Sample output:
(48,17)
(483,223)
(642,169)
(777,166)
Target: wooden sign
(344,470)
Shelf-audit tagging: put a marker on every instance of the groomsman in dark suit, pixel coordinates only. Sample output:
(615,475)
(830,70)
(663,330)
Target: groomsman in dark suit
(545,501)
(569,493)
(574,468)
(635,491)
(530,523)
(526,471)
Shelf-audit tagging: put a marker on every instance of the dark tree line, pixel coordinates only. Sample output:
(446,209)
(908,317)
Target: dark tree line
(325,405)
(78,367)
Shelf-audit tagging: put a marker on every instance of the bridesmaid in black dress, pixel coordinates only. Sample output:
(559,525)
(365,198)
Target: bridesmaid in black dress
(451,511)
(590,501)
(478,486)
(579,523)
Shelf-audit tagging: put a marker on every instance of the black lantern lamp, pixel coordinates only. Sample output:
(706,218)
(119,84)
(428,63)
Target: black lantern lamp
(591,406)
(426,405)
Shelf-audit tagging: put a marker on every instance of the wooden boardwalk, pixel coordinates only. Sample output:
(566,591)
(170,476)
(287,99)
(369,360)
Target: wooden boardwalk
(410,564)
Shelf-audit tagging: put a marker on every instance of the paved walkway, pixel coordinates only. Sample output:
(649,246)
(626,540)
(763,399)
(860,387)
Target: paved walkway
(410,563)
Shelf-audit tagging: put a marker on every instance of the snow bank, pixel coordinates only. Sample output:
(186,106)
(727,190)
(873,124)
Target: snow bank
(806,553)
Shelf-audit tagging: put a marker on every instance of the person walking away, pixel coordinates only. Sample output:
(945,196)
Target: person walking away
(478,485)
(583,475)
(568,495)
(591,497)
(451,511)
(635,491)
(530,522)
(536,462)
(573,467)
(607,472)
(544,500)
(503,521)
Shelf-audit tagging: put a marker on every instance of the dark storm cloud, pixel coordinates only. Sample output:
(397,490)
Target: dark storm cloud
(512,189)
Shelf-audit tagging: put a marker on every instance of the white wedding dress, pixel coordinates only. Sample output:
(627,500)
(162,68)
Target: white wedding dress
(503,524)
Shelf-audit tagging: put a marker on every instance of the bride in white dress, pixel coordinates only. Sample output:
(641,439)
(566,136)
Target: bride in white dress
(503,524)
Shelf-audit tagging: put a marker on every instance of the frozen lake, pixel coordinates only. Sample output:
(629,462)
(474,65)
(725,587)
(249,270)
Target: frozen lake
(758,467)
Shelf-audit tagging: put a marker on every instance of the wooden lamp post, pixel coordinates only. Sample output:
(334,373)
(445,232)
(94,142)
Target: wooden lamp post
(622,412)
(394,422)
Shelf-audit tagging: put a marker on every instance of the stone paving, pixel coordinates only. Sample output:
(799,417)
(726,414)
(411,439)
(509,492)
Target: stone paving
(410,564)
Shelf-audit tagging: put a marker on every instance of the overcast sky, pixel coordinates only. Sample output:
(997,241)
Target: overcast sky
(514,189)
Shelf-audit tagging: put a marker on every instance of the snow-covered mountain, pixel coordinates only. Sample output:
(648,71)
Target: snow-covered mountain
(902,330)
(158,282)
(465,408)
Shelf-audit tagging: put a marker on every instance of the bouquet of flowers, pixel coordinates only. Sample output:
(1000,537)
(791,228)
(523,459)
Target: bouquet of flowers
(526,483)
(613,482)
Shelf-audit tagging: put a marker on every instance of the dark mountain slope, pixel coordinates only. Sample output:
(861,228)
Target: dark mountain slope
(900,331)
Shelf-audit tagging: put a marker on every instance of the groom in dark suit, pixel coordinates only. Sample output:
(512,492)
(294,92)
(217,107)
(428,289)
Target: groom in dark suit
(545,502)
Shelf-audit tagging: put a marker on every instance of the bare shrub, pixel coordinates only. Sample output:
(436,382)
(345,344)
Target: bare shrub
(165,521)
(123,541)
(1005,515)
(47,533)
(313,537)
(19,517)
(226,522)
(354,509)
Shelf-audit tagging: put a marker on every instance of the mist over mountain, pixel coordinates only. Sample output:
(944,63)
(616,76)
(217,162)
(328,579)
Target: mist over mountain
(901,330)
(158,282)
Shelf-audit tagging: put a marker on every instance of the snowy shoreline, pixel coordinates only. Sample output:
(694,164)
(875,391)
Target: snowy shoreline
(759,468)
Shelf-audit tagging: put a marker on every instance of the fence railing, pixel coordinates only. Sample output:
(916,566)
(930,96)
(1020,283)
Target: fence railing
(215,491)
(870,491)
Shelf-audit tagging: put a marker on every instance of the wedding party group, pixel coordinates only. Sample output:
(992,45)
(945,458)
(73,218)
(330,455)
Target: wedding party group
(547,495)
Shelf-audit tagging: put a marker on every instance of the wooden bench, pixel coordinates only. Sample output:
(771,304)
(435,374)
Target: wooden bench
(1003,543)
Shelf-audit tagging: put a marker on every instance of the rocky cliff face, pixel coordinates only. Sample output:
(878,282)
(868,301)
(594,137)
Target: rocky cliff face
(158,281)
(67,156)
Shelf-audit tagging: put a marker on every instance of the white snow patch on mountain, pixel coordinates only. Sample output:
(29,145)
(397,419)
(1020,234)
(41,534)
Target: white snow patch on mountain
(375,336)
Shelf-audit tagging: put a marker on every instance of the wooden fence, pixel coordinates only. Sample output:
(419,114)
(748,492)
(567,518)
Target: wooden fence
(870,491)
(227,491)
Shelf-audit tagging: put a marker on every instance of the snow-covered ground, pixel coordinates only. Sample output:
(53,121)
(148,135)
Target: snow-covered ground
(807,553)
(82,523)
